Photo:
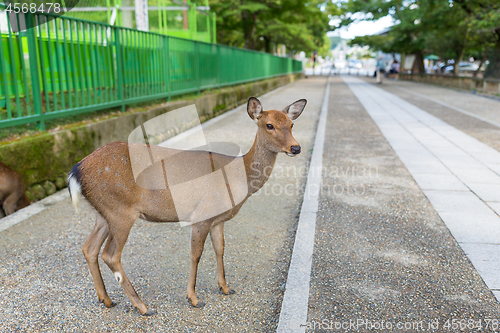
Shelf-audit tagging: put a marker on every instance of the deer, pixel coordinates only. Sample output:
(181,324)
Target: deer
(12,196)
(105,180)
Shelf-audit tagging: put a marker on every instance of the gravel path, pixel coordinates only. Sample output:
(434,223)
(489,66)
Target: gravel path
(45,284)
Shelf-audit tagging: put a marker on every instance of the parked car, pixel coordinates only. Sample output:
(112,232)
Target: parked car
(354,63)
(462,67)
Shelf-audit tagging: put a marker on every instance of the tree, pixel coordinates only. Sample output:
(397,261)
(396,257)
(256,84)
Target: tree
(263,24)
(452,29)
(484,25)
(406,36)
(325,50)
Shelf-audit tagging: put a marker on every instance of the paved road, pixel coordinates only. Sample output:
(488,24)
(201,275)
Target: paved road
(388,249)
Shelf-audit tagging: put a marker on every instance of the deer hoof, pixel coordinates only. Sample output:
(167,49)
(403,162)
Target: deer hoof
(198,305)
(148,313)
(112,305)
(229,292)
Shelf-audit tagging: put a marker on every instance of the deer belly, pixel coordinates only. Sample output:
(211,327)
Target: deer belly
(157,206)
(208,196)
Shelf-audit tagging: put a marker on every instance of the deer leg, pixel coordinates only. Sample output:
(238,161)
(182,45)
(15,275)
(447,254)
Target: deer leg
(119,229)
(217,236)
(199,234)
(91,250)
(10,203)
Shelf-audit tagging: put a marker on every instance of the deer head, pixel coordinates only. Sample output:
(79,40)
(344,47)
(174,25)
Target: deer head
(275,127)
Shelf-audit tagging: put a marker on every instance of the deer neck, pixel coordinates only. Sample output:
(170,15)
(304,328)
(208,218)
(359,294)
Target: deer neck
(259,163)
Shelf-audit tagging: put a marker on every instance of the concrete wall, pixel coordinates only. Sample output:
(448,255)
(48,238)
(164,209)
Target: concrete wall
(483,86)
(44,161)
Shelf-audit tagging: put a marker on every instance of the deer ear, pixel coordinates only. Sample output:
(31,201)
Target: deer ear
(294,110)
(254,108)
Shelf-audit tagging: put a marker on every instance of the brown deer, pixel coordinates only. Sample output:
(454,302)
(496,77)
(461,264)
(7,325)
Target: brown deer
(105,179)
(12,196)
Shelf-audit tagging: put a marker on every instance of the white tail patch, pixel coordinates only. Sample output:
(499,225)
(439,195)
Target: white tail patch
(75,190)
(118,277)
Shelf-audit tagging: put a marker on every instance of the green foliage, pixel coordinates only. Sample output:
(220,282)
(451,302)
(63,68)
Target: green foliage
(325,50)
(453,29)
(376,42)
(301,25)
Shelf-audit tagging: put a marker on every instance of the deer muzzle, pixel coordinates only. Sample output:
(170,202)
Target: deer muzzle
(294,150)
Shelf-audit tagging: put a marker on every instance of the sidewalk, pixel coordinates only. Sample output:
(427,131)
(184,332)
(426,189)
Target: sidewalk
(382,251)
(475,115)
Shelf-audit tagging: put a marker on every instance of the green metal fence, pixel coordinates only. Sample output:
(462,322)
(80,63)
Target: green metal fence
(64,66)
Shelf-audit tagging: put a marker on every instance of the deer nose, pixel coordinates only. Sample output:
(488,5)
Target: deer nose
(295,150)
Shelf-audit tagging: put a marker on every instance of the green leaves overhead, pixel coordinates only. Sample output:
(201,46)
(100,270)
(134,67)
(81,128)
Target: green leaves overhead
(263,24)
(453,29)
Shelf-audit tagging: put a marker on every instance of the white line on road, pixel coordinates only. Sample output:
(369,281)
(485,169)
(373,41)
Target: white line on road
(293,316)
(451,107)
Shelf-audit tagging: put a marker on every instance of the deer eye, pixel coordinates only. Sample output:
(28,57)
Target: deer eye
(270,127)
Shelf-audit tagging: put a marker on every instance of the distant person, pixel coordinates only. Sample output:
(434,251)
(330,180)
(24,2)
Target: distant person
(314,59)
(380,69)
(394,67)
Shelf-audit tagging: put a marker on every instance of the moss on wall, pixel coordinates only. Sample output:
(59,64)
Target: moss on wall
(48,156)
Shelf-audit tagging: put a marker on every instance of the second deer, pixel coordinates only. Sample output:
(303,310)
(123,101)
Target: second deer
(105,179)
(12,196)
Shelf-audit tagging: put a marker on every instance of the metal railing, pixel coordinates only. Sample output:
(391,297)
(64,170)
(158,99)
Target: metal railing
(63,66)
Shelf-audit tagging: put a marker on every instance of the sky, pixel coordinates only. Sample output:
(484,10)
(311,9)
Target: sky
(361,28)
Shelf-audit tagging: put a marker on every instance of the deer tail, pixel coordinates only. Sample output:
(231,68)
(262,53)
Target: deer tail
(74,186)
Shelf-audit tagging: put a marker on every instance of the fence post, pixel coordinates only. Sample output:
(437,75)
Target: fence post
(167,67)
(219,83)
(34,68)
(119,68)
(197,64)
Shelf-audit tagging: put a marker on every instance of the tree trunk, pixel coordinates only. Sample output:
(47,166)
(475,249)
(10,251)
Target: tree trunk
(267,44)
(418,65)
(493,69)
(456,68)
(483,59)
(248,21)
